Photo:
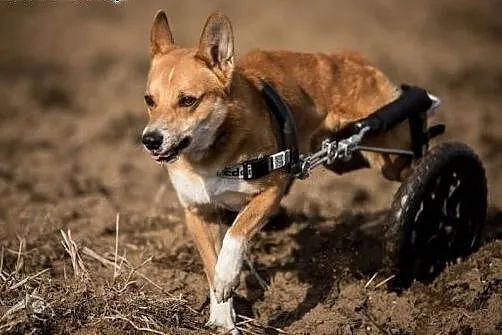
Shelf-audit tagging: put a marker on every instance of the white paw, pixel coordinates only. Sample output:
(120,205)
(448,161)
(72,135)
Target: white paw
(222,315)
(228,267)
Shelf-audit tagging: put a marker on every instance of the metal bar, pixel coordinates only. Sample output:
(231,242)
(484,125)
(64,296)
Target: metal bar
(318,154)
(318,162)
(384,150)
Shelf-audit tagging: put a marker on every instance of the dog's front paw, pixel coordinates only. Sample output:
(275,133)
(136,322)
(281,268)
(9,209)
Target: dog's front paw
(228,267)
(213,324)
(222,316)
(224,286)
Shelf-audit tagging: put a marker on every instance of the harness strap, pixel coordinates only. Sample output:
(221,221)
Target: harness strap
(287,158)
(258,167)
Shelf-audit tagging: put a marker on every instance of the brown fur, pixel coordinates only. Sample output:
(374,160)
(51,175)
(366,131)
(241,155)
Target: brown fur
(324,92)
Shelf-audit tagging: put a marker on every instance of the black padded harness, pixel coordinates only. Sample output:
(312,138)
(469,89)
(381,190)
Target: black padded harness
(287,157)
(412,104)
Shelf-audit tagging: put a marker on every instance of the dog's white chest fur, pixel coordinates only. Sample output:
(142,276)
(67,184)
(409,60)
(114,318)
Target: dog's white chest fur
(194,189)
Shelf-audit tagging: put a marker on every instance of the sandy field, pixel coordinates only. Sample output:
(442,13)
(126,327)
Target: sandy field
(72,169)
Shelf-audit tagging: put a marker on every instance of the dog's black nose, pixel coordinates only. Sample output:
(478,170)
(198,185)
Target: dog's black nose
(152,140)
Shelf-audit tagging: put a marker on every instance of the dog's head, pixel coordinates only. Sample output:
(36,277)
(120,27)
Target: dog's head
(187,89)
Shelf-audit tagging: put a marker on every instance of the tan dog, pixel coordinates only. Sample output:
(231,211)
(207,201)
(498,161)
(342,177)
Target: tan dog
(207,112)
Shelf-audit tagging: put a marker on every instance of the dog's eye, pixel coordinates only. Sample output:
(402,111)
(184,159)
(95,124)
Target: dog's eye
(149,101)
(187,101)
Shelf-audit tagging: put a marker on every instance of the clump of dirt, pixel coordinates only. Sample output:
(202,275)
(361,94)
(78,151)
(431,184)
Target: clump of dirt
(71,113)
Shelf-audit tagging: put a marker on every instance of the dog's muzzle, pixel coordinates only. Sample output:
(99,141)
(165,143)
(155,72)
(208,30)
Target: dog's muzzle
(169,155)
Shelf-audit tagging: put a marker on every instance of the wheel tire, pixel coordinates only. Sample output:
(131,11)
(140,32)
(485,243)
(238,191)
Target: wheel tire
(437,214)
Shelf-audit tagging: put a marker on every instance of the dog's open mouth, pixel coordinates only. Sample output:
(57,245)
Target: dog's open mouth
(173,153)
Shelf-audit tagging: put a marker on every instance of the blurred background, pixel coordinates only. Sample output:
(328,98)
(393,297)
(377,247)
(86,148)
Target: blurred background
(72,77)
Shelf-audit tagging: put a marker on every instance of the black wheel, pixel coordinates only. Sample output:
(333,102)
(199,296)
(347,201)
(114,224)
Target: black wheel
(437,214)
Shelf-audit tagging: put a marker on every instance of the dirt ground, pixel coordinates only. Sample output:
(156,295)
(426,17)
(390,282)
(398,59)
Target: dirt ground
(71,87)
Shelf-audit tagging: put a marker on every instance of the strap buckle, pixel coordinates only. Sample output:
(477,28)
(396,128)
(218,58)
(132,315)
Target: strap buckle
(246,171)
(279,160)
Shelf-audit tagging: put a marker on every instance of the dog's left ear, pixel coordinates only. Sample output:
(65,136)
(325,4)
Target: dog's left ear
(216,46)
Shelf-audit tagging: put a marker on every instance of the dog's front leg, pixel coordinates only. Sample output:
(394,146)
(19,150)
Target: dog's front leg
(207,239)
(246,224)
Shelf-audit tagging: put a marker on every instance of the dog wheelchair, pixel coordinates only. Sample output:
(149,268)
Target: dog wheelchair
(438,212)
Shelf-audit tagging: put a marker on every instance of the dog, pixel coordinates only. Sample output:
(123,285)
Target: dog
(206,111)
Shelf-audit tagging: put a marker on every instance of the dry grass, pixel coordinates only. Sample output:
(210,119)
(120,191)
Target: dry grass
(72,249)
(251,326)
(106,292)
(43,303)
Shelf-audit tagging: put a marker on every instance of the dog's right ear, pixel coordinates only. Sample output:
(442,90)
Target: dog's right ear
(161,38)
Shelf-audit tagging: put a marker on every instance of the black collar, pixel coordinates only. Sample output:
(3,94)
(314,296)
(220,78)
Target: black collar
(287,157)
